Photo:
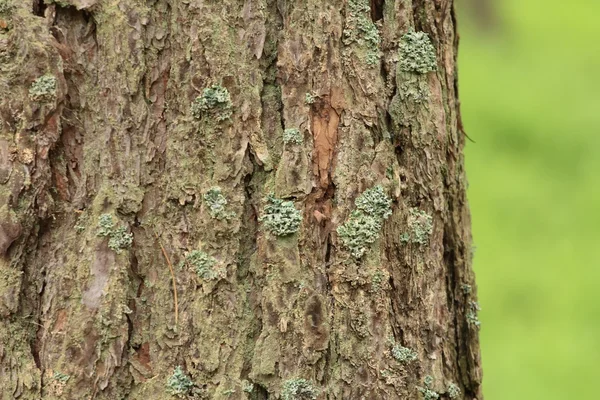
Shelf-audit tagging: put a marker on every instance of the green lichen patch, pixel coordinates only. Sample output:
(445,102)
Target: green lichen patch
(60,377)
(118,237)
(299,389)
(453,391)
(214,102)
(375,202)
(203,264)
(292,136)
(310,98)
(427,392)
(472,314)
(363,226)
(420,227)
(179,384)
(280,217)
(402,354)
(361,30)
(216,203)
(43,89)
(417,54)
(5,6)
(358,232)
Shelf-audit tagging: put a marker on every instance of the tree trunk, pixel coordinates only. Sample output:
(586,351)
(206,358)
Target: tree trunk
(258,199)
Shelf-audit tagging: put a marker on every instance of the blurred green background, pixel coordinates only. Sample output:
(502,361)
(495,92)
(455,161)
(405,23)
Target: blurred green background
(530,94)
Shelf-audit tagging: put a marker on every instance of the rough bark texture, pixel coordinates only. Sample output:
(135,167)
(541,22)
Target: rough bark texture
(111,132)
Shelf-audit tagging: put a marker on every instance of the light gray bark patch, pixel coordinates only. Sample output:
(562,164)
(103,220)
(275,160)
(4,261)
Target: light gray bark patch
(100,271)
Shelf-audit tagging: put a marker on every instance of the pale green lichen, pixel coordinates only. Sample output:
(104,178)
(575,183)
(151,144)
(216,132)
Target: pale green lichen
(43,89)
(472,314)
(375,202)
(280,217)
(466,288)
(203,264)
(310,98)
(427,392)
(247,387)
(292,136)
(363,226)
(216,203)
(179,384)
(60,377)
(453,391)
(215,101)
(403,354)
(299,389)
(420,227)
(358,232)
(361,30)
(118,238)
(5,6)
(417,54)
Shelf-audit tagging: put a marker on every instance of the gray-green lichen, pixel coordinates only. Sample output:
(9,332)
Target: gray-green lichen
(280,217)
(299,389)
(215,101)
(310,98)
(363,226)
(216,203)
(420,227)
(427,392)
(292,136)
(5,6)
(118,238)
(203,264)
(43,89)
(361,30)
(375,202)
(417,54)
(453,391)
(403,354)
(472,314)
(247,386)
(60,377)
(179,384)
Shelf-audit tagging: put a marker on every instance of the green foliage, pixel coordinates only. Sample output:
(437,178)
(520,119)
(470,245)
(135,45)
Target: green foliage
(453,391)
(299,389)
(363,226)
(403,354)
(417,54)
(118,238)
(280,217)
(420,227)
(533,178)
(292,136)
(361,30)
(203,264)
(215,101)
(43,89)
(427,392)
(179,384)
(216,203)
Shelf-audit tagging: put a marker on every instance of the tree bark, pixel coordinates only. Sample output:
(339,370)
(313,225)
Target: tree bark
(149,239)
